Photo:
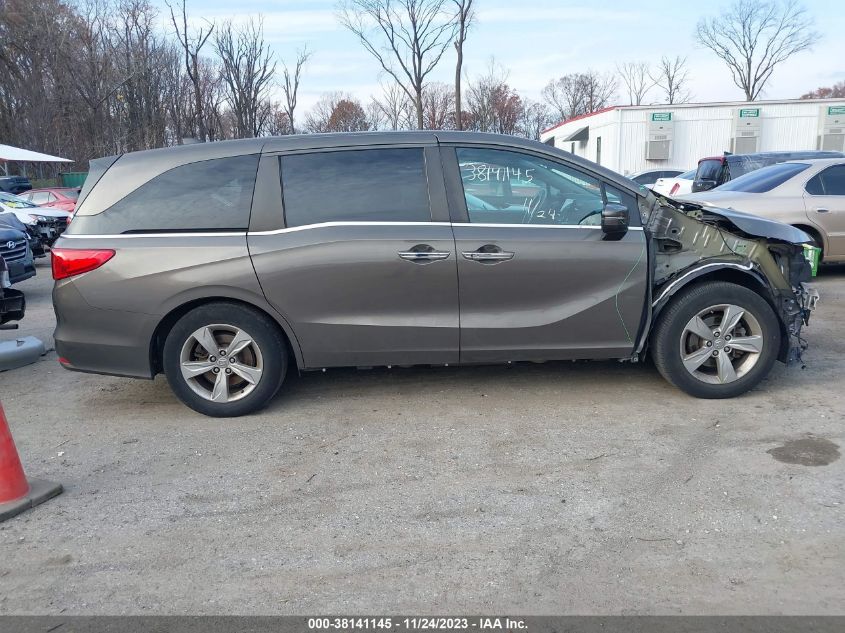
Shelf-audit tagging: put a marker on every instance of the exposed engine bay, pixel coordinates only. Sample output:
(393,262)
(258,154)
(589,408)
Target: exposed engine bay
(689,241)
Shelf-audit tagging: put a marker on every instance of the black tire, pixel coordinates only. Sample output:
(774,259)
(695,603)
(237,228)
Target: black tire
(666,337)
(265,334)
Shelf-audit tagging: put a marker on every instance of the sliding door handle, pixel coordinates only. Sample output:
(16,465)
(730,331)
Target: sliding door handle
(424,256)
(488,254)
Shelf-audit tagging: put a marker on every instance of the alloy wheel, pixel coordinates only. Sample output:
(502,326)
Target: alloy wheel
(721,344)
(221,363)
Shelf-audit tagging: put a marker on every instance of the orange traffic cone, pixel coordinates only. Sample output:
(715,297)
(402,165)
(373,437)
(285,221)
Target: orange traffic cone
(16,494)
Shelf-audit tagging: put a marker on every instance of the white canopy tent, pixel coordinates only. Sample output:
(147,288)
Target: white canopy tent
(16,154)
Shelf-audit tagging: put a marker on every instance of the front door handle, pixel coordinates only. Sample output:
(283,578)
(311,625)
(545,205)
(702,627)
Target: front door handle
(488,254)
(822,210)
(423,253)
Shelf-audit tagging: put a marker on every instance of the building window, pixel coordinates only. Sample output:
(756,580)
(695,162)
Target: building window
(598,150)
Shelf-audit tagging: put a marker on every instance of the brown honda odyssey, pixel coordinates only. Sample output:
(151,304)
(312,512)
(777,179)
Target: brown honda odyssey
(227,265)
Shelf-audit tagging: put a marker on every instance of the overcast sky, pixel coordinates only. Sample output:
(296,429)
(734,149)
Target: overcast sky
(536,40)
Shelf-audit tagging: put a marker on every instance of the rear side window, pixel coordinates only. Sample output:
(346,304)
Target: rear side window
(830,182)
(375,185)
(765,179)
(709,170)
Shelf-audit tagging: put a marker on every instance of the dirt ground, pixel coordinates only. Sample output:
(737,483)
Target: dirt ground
(577,488)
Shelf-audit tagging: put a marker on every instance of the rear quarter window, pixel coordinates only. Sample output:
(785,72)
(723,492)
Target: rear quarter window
(709,170)
(210,195)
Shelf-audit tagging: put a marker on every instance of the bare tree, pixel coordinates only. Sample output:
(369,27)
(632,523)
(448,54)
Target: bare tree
(672,77)
(247,72)
(536,117)
(394,109)
(191,45)
(580,93)
(836,91)
(407,37)
(337,112)
(438,106)
(753,38)
(464,18)
(291,85)
(636,76)
(491,103)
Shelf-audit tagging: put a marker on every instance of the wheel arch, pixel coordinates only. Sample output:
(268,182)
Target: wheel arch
(169,320)
(732,272)
(816,233)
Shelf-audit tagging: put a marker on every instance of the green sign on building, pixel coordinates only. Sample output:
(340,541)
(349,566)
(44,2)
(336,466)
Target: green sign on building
(749,113)
(832,110)
(661,116)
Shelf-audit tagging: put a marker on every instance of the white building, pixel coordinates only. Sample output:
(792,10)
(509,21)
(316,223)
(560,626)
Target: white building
(630,139)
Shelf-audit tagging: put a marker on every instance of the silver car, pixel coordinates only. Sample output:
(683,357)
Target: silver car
(808,194)
(226,265)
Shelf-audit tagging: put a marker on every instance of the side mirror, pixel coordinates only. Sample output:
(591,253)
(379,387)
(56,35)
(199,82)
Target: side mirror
(703,185)
(614,219)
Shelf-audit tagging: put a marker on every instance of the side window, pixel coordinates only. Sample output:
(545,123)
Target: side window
(830,182)
(376,185)
(503,187)
(40,197)
(207,195)
(617,196)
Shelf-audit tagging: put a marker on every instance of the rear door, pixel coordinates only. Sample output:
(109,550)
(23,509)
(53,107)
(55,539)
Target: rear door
(538,279)
(824,199)
(362,264)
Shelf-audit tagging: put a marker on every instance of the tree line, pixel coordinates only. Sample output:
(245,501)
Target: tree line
(88,78)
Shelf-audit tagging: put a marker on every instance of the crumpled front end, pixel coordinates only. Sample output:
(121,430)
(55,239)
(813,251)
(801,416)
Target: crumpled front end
(690,241)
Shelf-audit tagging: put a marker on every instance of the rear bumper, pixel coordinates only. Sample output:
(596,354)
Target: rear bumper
(101,341)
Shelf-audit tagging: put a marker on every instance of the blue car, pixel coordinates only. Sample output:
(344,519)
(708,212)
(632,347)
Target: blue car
(15,251)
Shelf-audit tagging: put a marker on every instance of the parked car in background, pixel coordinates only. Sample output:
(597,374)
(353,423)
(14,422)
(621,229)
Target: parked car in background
(14,249)
(808,194)
(715,171)
(12,302)
(15,184)
(48,223)
(676,186)
(63,198)
(649,177)
(222,265)
(9,220)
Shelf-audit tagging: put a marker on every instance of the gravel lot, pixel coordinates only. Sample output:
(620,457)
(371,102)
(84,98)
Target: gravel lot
(559,488)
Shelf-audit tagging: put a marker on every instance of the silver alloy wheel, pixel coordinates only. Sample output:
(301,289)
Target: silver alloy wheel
(721,344)
(221,363)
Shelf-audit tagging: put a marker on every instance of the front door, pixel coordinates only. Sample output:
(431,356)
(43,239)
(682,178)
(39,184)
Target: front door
(364,268)
(824,199)
(538,279)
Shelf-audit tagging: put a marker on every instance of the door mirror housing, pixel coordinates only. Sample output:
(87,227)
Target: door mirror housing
(614,219)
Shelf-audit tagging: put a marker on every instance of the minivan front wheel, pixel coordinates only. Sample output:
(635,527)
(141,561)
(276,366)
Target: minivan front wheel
(716,340)
(225,359)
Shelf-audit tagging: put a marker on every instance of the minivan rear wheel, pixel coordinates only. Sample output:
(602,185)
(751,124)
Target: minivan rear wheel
(716,340)
(225,359)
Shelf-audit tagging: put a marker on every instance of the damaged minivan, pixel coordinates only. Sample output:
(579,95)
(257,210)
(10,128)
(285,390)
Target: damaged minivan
(227,265)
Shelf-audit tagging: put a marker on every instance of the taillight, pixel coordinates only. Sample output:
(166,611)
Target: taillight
(675,188)
(68,262)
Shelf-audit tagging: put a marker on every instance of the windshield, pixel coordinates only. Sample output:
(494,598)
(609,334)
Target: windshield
(15,202)
(687,175)
(73,194)
(764,179)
